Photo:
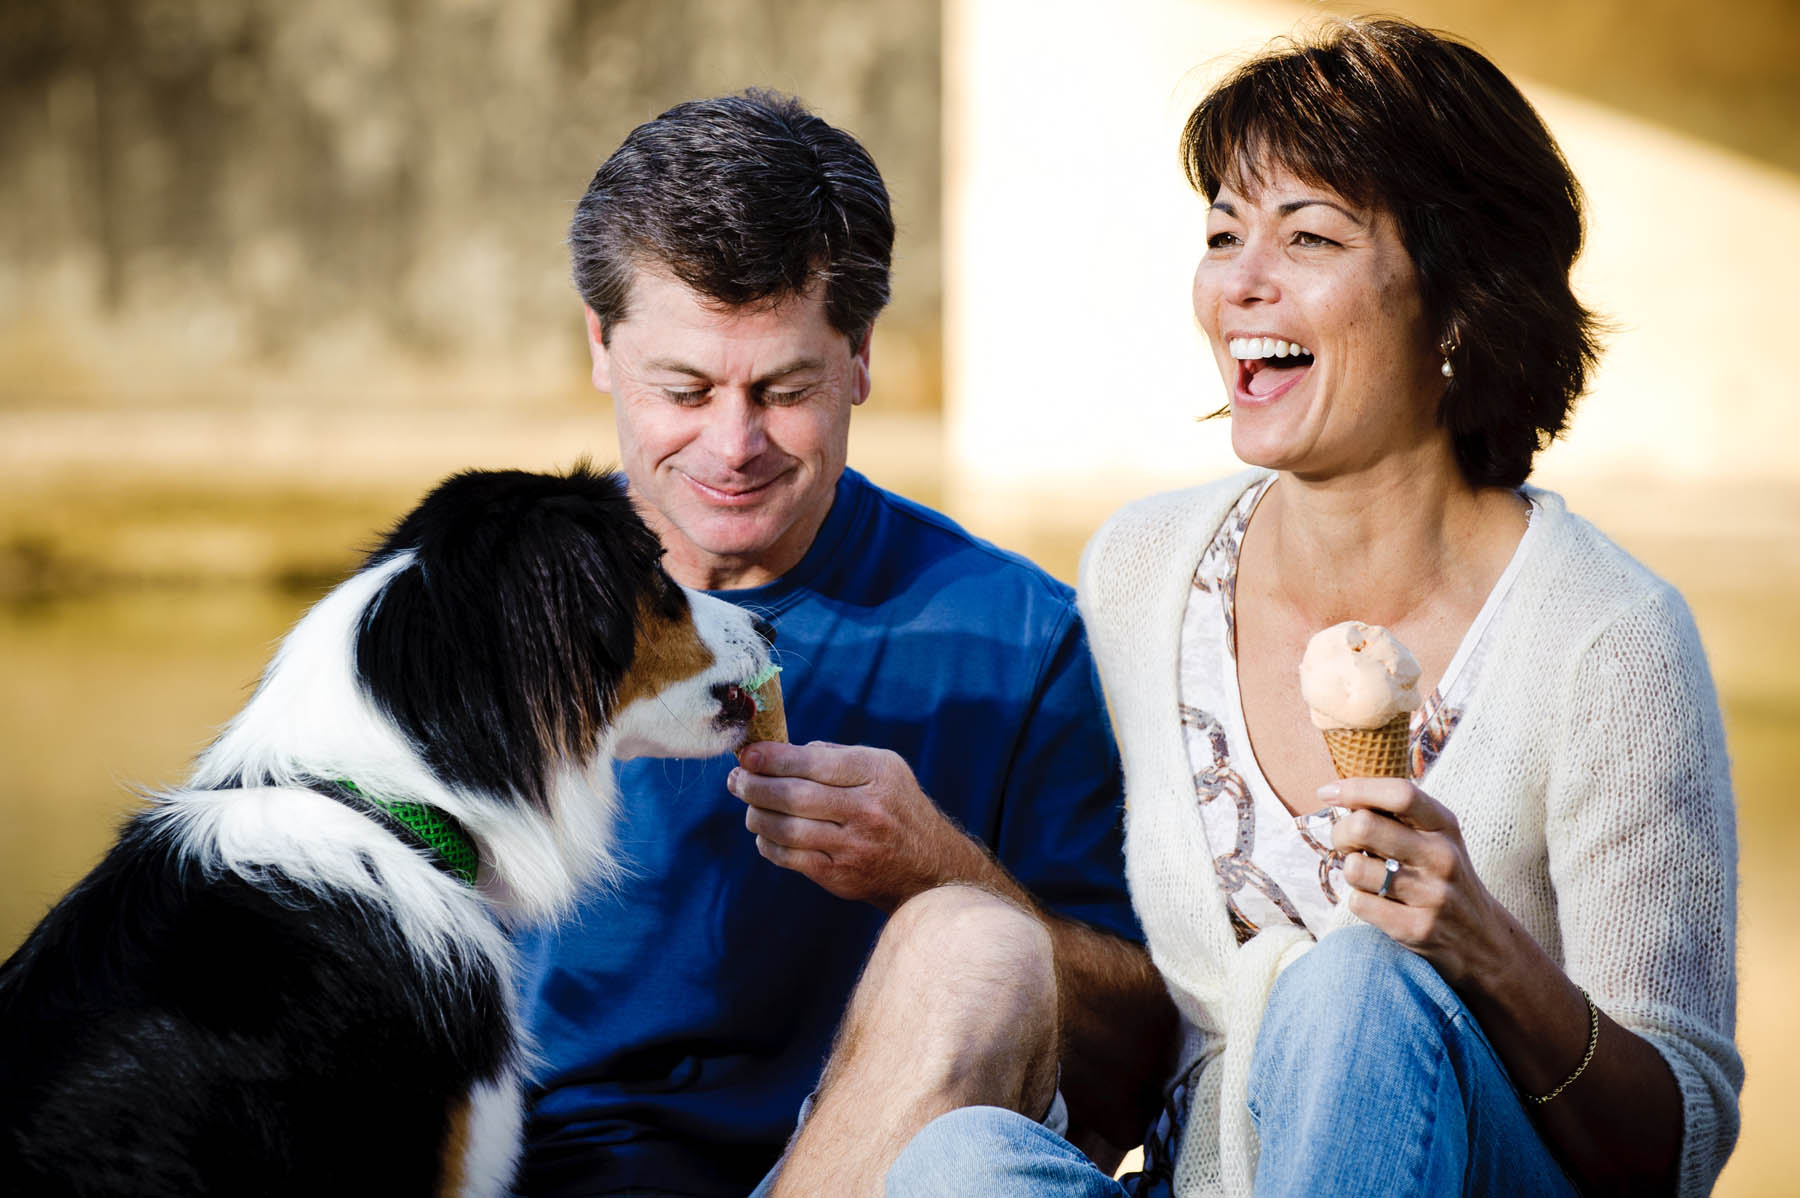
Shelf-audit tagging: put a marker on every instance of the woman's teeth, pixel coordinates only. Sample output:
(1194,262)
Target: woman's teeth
(1246,348)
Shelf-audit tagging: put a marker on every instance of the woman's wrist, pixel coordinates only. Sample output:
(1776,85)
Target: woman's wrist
(1536,1017)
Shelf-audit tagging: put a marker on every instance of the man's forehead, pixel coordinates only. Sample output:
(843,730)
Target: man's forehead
(670,326)
(656,285)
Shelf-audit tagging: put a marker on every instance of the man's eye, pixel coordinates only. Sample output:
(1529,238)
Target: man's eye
(781,398)
(685,396)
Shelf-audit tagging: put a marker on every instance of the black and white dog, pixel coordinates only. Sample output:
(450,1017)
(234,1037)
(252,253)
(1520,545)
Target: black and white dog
(287,977)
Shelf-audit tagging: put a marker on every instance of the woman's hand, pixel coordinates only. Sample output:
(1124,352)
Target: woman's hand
(1434,903)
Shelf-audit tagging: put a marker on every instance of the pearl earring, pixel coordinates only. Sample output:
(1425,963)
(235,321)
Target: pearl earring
(1448,346)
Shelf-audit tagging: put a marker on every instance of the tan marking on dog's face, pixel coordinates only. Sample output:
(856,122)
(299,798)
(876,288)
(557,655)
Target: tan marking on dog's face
(667,652)
(453,1158)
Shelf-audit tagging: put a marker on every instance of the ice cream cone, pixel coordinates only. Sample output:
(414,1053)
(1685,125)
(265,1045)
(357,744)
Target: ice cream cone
(1372,752)
(771,715)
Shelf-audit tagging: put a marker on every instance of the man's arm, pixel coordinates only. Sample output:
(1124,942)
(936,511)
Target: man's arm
(854,820)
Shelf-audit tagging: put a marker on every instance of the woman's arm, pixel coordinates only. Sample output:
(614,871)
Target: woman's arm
(1641,849)
(1618,1125)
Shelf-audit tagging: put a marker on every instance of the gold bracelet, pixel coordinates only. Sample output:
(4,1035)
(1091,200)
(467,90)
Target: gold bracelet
(1593,1039)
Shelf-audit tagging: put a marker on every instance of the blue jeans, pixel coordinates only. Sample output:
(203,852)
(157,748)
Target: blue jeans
(1369,1077)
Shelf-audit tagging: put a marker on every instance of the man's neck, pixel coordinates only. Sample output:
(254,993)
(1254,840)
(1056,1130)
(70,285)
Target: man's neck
(694,567)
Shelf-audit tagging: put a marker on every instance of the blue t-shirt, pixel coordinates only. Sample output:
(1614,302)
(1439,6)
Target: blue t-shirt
(682,1017)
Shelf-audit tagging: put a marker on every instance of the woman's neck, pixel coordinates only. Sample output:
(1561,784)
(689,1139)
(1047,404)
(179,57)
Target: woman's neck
(1379,544)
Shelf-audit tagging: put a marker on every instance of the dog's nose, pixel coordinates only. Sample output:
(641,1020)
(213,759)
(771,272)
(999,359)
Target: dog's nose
(764,629)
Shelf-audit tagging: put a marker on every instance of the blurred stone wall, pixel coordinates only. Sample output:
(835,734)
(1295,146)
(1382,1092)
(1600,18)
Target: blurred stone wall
(207,202)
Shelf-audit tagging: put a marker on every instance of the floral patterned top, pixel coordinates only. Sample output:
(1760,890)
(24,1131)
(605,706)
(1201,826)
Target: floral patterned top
(1270,865)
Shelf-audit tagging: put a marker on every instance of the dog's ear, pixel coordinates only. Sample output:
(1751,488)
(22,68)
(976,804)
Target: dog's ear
(499,649)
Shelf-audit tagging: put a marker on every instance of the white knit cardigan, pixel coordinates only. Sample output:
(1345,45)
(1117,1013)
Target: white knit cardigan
(1588,773)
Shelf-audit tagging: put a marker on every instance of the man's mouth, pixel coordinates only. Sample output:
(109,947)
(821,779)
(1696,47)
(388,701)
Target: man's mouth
(732,493)
(1268,365)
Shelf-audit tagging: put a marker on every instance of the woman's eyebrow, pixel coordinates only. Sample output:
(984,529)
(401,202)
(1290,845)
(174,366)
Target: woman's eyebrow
(1289,207)
(1293,206)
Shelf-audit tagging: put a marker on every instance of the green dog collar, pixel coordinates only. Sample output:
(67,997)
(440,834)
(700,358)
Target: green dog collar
(447,839)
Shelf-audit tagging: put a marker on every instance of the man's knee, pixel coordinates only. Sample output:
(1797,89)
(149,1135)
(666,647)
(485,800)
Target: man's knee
(963,940)
(963,985)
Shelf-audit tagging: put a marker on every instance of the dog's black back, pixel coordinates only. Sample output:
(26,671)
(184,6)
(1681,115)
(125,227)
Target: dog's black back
(319,1057)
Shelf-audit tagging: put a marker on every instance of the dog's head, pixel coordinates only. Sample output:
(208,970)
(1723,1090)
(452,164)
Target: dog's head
(533,627)
(506,641)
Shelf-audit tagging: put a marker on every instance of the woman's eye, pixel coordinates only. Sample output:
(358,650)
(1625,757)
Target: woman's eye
(1312,240)
(1220,241)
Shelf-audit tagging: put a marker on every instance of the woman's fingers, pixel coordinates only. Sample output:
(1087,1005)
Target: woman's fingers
(1382,835)
(1396,797)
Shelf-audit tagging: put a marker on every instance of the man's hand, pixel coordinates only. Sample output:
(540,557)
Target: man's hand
(854,820)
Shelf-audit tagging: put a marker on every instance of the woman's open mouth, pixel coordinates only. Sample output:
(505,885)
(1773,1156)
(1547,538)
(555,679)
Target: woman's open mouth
(1268,366)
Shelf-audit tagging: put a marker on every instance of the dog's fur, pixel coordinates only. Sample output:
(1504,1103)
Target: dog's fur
(265,987)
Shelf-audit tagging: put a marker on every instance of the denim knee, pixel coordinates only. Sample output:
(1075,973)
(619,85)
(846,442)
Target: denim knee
(1356,986)
(1370,1076)
(1348,974)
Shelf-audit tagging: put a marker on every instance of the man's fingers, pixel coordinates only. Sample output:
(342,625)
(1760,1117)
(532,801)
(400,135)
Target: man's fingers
(792,832)
(790,796)
(804,861)
(820,761)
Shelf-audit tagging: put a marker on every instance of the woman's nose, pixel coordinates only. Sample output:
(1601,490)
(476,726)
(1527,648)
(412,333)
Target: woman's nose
(1249,276)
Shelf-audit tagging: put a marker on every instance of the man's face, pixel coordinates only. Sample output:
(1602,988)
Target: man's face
(733,424)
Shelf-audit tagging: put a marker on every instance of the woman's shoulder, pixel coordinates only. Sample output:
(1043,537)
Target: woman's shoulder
(1171,517)
(1579,580)
(1135,571)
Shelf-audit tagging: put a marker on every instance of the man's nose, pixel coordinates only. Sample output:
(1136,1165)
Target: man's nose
(735,432)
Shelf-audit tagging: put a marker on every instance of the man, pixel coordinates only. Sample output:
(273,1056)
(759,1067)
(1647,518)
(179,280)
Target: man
(732,256)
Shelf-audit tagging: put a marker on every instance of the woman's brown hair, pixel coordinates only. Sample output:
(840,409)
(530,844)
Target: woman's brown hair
(1391,115)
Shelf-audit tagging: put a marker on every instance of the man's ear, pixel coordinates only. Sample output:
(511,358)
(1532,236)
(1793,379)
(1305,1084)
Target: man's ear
(860,363)
(602,374)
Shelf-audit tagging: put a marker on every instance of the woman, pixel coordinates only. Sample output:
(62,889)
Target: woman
(1539,996)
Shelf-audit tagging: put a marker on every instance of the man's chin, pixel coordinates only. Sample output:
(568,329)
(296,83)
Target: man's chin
(739,535)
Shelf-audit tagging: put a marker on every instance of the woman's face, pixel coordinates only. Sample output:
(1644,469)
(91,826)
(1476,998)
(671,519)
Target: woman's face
(1312,306)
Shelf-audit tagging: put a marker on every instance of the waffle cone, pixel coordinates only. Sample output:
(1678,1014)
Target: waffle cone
(1372,752)
(771,716)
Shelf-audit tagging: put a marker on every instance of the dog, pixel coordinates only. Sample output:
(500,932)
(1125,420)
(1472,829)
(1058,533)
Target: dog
(292,974)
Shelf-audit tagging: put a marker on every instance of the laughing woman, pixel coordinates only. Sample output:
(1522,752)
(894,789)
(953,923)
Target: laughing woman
(1518,976)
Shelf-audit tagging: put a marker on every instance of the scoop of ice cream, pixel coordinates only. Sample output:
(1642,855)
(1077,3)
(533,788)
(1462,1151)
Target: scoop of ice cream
(1356,675)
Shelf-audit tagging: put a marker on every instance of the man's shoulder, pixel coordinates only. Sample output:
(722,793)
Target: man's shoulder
(929,539)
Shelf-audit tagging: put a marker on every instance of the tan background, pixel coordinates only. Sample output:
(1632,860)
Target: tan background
(267,270)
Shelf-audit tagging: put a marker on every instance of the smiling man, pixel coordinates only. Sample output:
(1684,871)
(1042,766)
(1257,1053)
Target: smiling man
(732,257)
(734,423)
